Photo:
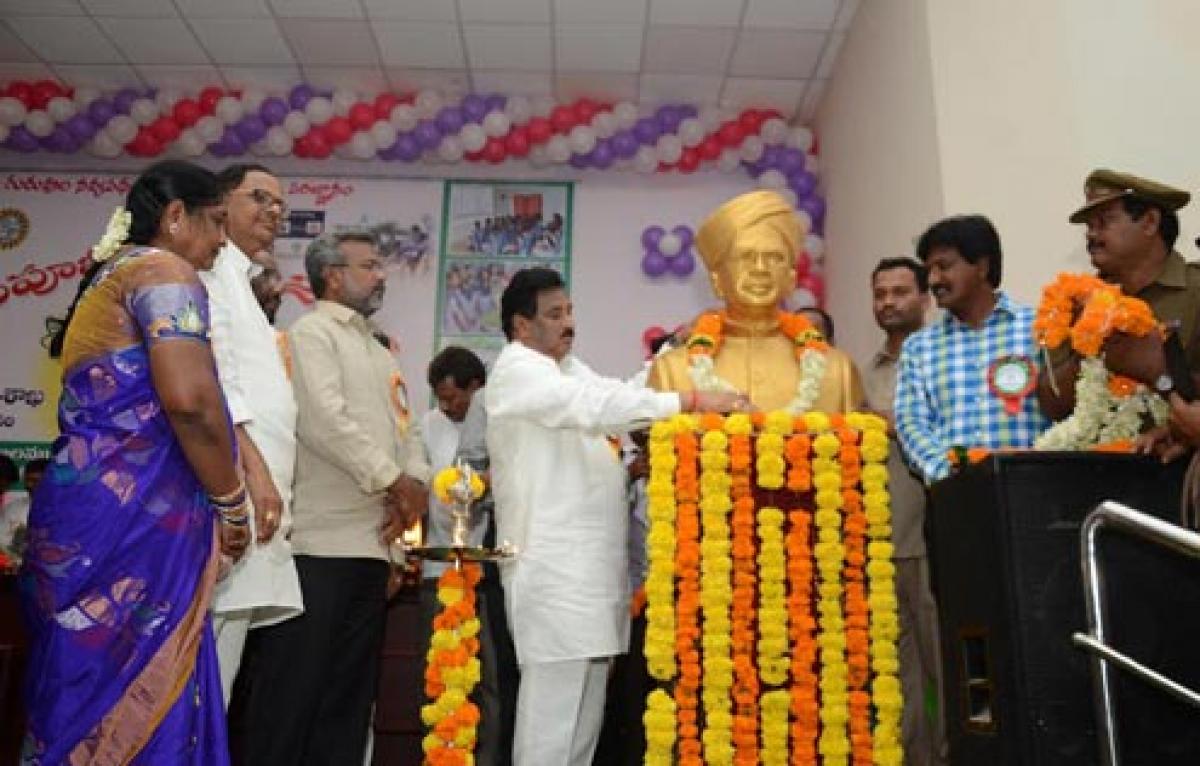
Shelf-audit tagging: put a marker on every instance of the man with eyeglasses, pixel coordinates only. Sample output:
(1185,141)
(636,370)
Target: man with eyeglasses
(361,476)
(262,588)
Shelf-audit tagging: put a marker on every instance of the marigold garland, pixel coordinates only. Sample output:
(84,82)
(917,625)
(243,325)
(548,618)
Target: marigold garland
(449,476)
(687,603)
(716,592)
(745,670)
(452,671)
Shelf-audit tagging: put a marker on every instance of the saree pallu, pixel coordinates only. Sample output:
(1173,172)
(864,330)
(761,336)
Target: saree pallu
(117,583)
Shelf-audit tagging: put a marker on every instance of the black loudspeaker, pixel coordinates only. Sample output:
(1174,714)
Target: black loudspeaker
(1005,559)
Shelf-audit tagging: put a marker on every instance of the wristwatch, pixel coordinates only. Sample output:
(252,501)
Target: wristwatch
(1164,384)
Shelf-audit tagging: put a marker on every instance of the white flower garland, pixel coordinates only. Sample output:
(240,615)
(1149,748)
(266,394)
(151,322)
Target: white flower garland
(1099,416)
(115,235)
(704,377)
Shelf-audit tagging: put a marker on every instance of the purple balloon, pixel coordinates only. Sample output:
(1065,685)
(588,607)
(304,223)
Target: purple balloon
(581,161)
(683,264)
(232,142)
(654,264)
(814,206)
(273,111)
(603,155)
(427,134)
(791,162)
(668,119)
(624,143)
(406,147)
(251,129)
(300,96)
(755,169)
(81,127)
(646,130)
(687,111)
(771,157)
(685,236)
(60,140)
(449,120)
(101,111)
(123,101)
(802,183)
(474,107)
(651,235)
(496,102)
(21,140)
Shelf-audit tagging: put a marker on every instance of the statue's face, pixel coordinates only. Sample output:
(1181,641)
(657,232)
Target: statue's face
(758,271)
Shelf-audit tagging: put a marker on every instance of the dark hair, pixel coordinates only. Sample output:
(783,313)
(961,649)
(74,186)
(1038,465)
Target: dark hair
(972,236)
(8,470)
(520,297)
(326,250)
(37,464)
(904,262)
(231,177)
(824,316)
(1168,220)
(458,363)
(158,186)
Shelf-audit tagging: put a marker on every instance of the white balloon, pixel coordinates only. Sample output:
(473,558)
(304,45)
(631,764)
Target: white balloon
(103,145)
(582,139)
(208,127)
(383,133)
(12,111)
(691,132)
(260,148)
(252,99)
(544,105)
(789,195)
(450,149)
(342,151)
(800,138)
(362,146)
(814,245)
(496,124)
(472,136)
(123,128)
(751,149)
(164,99)
(604,124)
(710,118)
(343,99)
(805,220)
(318,110)
(39,123)
(85,96)
(519,109)
(558,149)
(670,244)
(144,111)
(774,131)
(61,109)
(646,160)
(772,179)
(279,141)
(190,143)
(428,102)
(3,132)
(729,160)
(537,156)
(404,117)
(229,109)
(800,298)
(626,114)
(296,124)
(670,149)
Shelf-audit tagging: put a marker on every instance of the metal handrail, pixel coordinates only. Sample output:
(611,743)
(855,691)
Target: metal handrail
(1124,519)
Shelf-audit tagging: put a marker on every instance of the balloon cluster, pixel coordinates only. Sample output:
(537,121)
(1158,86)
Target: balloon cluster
(668,252)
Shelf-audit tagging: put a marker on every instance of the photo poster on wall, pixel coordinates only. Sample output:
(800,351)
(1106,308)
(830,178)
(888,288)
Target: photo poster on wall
(491,230)
(49,221)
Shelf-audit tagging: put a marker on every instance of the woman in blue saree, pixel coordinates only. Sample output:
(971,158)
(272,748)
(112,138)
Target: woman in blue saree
(140,501)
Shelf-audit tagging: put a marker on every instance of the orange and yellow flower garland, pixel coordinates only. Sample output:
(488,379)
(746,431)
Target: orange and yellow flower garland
(716,593)
(687,599)
(745,670)
(452,671)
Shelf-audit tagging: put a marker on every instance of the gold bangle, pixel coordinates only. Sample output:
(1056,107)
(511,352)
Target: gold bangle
(234,498)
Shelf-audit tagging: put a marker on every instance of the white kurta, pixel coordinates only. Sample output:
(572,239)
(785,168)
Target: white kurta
(259,395)
(560,498)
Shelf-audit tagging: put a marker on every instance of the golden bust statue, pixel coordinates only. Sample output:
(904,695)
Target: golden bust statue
(749,247)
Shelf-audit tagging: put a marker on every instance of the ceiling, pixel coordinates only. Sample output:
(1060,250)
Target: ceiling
(730,53)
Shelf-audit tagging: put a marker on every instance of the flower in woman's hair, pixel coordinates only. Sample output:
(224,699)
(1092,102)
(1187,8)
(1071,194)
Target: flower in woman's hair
(114,236)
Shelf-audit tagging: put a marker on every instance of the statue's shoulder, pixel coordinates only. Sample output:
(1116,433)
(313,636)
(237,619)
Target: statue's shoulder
(669,371)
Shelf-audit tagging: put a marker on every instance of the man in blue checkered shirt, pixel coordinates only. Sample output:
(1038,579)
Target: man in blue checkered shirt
(967,379)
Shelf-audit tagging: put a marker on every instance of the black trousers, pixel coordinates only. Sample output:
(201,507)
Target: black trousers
(309,683)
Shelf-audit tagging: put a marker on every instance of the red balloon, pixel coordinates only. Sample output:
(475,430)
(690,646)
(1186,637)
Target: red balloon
(540,130)
(815,284)
(731,134)
(563,119)
(165,129)
(144,144)
(384,104)
(585,110)
(318,147)
(474,156)
(803,264)
(517,142)
(337,131)
(186,112)
(22,91)
(494,151)
(43,91)
(751,121)
(689,161)
(710,148)
(209,98)
(816,147)
(301,147)
(769,113)
(362,116)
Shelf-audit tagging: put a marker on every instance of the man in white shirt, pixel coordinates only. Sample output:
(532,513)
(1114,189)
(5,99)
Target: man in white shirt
(262,588)
(559,487)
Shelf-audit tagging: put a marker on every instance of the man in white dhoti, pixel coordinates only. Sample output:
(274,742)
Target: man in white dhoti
(262,588)
(559,487)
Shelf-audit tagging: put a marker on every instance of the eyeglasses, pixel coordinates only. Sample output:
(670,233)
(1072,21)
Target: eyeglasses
(374,267)
(266,200)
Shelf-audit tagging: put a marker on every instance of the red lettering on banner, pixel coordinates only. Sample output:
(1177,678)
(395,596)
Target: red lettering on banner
(42,280)
(96,186)
(323,192)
